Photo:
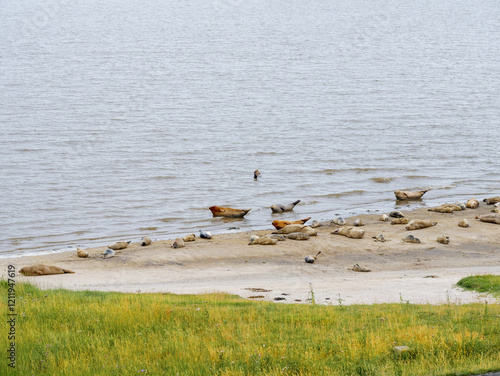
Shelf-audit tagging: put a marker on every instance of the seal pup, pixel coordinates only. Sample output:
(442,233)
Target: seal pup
(218,211)
(409,195)
(399,221)
(491,218)
(411,239)
(417,224)
(492,200)
(205,234)
(350,232)
(384,218)
(80,252)
(339,221)
(298,236)
(463,223)
(279,224)
(189,238)
(443,239)
(263,240)
(472,203)
(178,243)
(446,208)
(145,241)
(42,269)
(284,208)
(289,229)
(396,214)
(119,245)
(108,253)
(311,259)
(315,224)
(256,174)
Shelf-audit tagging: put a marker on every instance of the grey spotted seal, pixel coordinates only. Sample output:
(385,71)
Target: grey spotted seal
(417,224)
(379,238)
(119,245)
(145,241)
(443,239)
(411,239)
(396,214)
(350,232)
(409,195)
(283,208)
(108,253)
(315,224)
(42,269)
(311,259)
(298,236)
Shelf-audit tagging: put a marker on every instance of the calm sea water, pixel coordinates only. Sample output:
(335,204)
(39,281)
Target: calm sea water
(127,118)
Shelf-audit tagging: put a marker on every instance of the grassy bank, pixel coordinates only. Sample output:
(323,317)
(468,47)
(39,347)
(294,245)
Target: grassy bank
(60,332)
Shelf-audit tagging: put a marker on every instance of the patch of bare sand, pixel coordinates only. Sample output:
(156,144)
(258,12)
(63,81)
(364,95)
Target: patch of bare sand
(400,272)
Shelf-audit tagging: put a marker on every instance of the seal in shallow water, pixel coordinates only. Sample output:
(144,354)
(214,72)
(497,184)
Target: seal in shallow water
(41,269)
(218,211)
(409,195)
(284,208)
(256,174)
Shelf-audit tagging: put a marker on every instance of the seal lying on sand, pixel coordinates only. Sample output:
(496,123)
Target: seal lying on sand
(178,243)
(288,229)
(218,211)
(189,238)
(145,241)
(416,224)
(409,195)
(492,200)
(284,208)
(82,253)
(109,253)
(279,224)
(472,203)
(400,221)
(446,208)
(298,236)
(411,239)
(311,259)
(41,269)
(350,232)
(491,218)
(443,239)
(263,240)
(119,245)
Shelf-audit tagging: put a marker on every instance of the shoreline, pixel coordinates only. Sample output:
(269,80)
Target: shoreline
(424,273)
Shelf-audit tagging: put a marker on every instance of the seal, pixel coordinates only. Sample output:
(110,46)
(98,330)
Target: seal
(80,252)
(384,218)
(289,229)
(358,222)
(357,268)
(443,239)
(309,231)
(119,245)
(256,174)
(189,238)
(497,208)
(108,253)
(379,238)
(409,195)
(284,208)
(472,203)
(491,218)
(298,236)
(463,223)
(492,200)
(42,269)
(218,211)
(279,224)
(446,208)
(178,243)
(311,259)
(399,221)
(411,239)
(205,234)
(396,214)
(145,241)
(350,232)
(263,240)
(278,237)
(339,221)
(315,224)
(417,224)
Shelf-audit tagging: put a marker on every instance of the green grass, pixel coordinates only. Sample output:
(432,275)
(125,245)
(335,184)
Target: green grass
(482,283)
(60,332)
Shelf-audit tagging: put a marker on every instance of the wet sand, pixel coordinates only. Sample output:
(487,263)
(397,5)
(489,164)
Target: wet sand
(400,272)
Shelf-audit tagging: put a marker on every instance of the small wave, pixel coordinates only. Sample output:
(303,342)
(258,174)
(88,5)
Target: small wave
(148,228)
(162,177)
(343,194)
(383,179)
(416,177)
(446,186)
(170,219)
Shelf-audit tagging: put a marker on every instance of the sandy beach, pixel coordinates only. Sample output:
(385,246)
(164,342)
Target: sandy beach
(400,271)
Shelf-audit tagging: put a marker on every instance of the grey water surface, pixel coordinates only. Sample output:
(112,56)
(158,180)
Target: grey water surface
(126,118)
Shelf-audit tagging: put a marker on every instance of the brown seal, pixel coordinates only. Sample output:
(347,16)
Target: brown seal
(399,221)
(218,211)
(443,239)
(446,208)
(472,203)
(263,240)
(409,195)
(119,245)
(41,269)
(256,174)
(417,224)
(178,243)
(492,200)
(189,238)
(279,224)
(350,232)
(491,218)
(288,229)
(82,253)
